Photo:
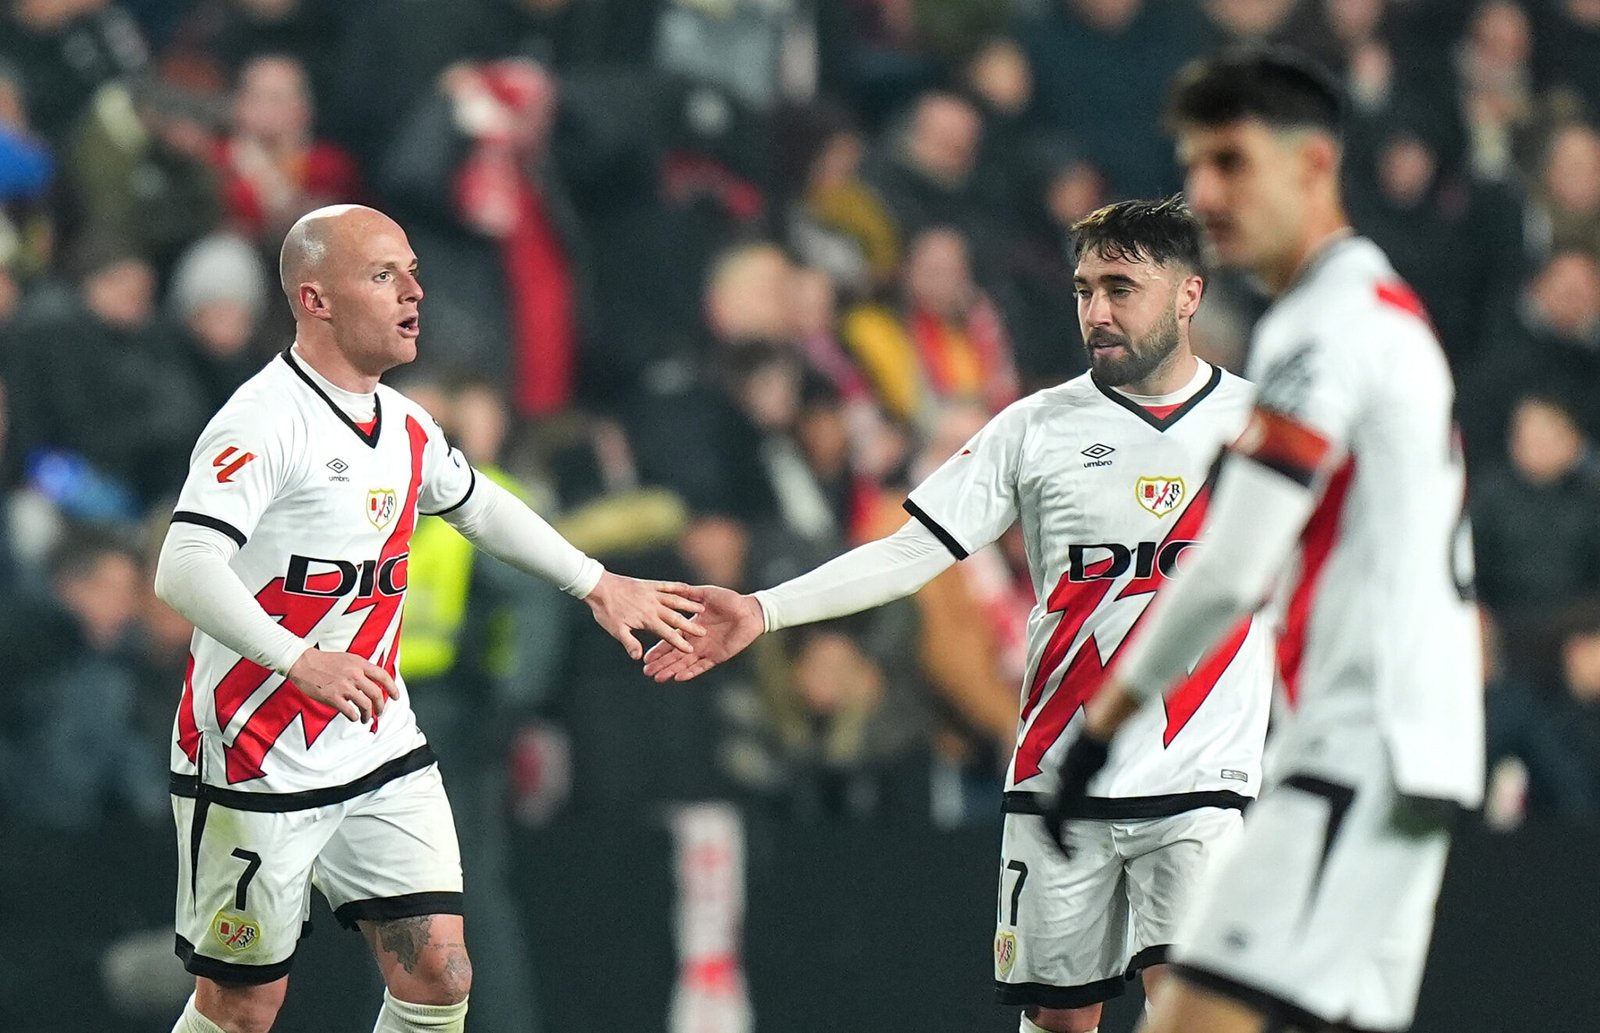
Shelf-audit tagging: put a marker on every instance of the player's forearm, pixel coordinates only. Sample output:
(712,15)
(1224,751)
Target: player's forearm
(866,576)
(1256,516)
(193,577)
(502,525)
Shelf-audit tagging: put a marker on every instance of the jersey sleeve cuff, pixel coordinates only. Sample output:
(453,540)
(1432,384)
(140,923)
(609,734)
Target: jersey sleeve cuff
(946,539)
(587,578)
(764,600)
(289,653)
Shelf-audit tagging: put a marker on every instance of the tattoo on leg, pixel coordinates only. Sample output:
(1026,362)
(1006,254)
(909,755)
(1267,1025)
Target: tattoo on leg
(406,938)
(458,973)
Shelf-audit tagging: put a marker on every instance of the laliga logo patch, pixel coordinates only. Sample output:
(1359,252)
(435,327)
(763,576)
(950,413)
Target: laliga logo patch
(381,506)
(234,931)
(1160,495)
(1005,953)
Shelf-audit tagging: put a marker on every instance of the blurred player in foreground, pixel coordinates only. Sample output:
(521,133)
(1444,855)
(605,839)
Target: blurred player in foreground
(297,760)
(1344,500)
(1108,474)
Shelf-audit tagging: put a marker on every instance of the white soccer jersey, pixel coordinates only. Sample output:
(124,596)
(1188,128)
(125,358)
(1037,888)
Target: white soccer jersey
(323,511)
(1110,495)
(1378,625)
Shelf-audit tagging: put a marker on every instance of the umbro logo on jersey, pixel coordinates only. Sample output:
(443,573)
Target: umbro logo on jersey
(1097,455)
(338,466)
(226,465)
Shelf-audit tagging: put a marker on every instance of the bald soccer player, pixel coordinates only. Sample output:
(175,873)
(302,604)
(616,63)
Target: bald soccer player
(296,759)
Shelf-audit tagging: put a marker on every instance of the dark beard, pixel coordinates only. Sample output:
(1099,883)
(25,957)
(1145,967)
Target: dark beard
(1142,357)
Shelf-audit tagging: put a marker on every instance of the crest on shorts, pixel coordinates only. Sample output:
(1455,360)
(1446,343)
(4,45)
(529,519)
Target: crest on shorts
(234,931)
(1005,952)
(1160,495)
(382,503)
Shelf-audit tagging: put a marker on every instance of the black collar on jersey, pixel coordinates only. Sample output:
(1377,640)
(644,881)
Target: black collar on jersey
(1161,422)
(377,405)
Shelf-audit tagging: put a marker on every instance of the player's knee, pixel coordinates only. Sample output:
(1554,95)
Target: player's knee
(1064,1020)
(238,1007)
(443,977)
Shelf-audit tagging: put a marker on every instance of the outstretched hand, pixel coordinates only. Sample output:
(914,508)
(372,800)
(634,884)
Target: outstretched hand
(728,623)
(623,605)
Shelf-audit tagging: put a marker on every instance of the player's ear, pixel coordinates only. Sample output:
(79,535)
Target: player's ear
(313,301)
(1190,290)
(1320,154)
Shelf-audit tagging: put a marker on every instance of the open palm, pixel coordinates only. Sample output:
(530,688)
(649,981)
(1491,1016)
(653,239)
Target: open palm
(731,622)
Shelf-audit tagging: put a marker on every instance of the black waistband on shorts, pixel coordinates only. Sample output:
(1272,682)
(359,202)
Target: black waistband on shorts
(191,786)
(1127,808)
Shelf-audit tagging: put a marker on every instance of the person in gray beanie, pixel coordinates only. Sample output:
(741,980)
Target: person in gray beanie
(217,297)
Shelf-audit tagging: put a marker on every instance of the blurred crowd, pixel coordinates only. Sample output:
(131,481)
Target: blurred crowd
(712,283)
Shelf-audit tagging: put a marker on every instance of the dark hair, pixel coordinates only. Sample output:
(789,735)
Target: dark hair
(1281,87)
(1580,619)
(1162,232)
(82,548)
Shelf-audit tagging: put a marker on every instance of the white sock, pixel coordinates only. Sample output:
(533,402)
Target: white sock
(400,1016)
(191,1021)
(1029,1026)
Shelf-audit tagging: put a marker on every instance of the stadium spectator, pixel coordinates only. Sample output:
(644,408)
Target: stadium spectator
(99,383)
(217,38)
(747,345)
(1291,22)
(849,727)
(217,297)
(139,165)
(1566,215)
(999,82)
(1551,343)
(1041,307)
(65,51)
(1536,769)
(1495,88)
(27,169)
(1579,654)
(274,168)
(835,221)
(925,172)
(69,753)
(1534,524)
(489,213)
(1568,51)
(1081,51)
(943,338)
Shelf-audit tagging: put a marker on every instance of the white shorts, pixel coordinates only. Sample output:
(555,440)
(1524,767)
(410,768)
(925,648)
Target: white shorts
(1072,933)
(245,876)
(1324,913)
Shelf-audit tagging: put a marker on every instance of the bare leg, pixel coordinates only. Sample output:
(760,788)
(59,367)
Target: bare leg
(1184,1008)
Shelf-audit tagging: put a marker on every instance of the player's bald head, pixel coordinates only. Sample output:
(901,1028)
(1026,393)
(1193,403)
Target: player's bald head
(324,235)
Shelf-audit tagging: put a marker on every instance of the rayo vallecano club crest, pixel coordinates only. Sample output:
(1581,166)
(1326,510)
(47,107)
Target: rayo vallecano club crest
(1005,952)
(381,506)
(1160,495)
(234,931)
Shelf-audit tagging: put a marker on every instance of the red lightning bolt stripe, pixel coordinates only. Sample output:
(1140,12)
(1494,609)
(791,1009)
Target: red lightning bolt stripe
(1077,602)
(300,614)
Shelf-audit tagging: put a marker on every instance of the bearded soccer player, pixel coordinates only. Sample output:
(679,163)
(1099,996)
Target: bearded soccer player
(297,761)
(1343,500)
(1108,474)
